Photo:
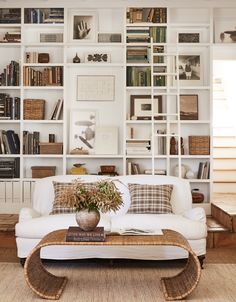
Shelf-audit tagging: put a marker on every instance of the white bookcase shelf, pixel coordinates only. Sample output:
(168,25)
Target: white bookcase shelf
(163,56)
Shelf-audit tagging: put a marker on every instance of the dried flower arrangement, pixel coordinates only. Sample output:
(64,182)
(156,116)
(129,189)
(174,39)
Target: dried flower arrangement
(101,195)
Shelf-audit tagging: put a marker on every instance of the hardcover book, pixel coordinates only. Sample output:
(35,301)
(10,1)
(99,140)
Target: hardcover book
(76,234)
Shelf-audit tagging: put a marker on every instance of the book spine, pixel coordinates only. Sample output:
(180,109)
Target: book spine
(85,239)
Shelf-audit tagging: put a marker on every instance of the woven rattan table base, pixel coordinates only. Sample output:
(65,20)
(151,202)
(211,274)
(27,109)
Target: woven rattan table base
(48,286)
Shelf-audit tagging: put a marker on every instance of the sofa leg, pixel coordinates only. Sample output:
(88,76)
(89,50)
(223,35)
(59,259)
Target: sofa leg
(201,260)
(22,261)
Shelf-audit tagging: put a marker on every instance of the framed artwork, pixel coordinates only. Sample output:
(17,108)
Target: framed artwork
(225,31)
(95,87)
(189,37)
(190,69)
(141,107)
(189,107)
(106,140)
(82,130)
(97,58)
(83,26)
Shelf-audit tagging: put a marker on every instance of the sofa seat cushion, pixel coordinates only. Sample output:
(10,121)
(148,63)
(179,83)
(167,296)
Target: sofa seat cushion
(190,229)
(39,227)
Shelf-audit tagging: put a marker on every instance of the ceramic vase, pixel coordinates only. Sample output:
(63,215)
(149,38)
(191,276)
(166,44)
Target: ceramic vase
(87,220)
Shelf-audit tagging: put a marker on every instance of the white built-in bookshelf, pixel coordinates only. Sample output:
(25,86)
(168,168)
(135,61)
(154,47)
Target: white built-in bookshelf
(144,74)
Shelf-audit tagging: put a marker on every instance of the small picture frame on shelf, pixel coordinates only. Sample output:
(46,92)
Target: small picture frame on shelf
(95,87)
(106,140)
(189,37)
(82,131)
(141,107)
(97,57)
(190,69)
(189,107)
(83,26)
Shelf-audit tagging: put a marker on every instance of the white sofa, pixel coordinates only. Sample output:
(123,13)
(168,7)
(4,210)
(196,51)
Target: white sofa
(34,223)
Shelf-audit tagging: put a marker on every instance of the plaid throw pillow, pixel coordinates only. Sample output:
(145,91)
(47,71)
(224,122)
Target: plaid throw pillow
(62,198)
(153,199)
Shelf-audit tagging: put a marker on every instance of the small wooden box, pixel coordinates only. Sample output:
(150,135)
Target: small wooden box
(51,148)
(199,145)
(43,171)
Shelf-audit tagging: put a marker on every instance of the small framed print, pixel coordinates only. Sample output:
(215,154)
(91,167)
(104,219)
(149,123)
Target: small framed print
(106,140)
(190,69)
(189,37)
(95,87)
(97,58)
(141,107)
(189,107)
(83,26)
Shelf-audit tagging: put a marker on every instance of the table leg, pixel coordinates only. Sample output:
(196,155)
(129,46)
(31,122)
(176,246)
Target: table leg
(43,283)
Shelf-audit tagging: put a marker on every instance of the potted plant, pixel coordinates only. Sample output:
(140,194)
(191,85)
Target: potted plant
(91,199)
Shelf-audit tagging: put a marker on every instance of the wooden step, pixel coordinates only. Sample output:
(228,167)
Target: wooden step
(224,187)
(224,175)
(225,213)
(224,152)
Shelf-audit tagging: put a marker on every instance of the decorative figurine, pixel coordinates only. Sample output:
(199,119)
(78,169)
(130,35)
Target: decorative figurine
(173,149)
(76,59)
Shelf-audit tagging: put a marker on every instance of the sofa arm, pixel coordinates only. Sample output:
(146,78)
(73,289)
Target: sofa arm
(27,214)
(197,214)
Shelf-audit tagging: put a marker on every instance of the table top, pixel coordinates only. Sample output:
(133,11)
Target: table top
(169,237)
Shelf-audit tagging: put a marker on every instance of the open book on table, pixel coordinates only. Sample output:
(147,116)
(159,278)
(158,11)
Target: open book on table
(134,231)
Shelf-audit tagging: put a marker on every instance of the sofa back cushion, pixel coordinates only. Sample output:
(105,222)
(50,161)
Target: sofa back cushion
(152,199)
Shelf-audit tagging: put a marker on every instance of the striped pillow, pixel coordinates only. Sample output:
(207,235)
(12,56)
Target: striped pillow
(152,199)
(62,198)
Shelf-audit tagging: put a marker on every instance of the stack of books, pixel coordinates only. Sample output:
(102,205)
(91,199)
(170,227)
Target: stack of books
(203,170)
(50,76)
(10,15)
(31,57)
(138,35)
(9,107)
(9,142)
(156,171)
(10,168)
(158,59)
(137,147)
(31,142)
(137,76)
(138,55)
(76,234)
(10,75)
(56,15)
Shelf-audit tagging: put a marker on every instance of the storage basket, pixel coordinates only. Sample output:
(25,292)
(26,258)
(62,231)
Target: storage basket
(199,145)
(34,109)
(43,171)
(50,148)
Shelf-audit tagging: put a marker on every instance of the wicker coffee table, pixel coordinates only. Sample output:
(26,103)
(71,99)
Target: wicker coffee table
(48,286)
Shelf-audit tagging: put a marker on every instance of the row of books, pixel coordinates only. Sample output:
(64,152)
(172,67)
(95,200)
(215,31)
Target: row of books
(156,50)
(31,142)
(12,37)
(10,168)
(50,15)
(9,107)
(10,75)
(137,76)
(156,171)
(203,170)
(154,15)
(57,110)
(50,76)
(134,147)
(158,34)
(10,15)
(9,142)
(133,168)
